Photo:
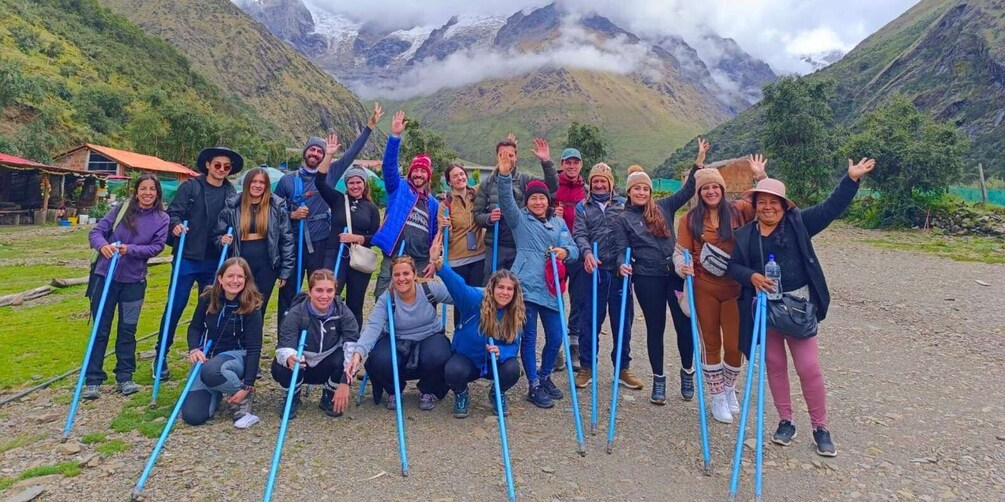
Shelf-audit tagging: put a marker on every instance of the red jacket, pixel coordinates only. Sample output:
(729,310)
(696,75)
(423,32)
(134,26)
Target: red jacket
(570,192)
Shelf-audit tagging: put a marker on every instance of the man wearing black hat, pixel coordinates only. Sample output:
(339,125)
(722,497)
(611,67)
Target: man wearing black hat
(199,201)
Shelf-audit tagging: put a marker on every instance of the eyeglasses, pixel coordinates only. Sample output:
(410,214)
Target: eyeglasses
(222,167)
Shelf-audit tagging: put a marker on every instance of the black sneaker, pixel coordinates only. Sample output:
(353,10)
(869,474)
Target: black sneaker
(539,397)
(549,387)
(659,394)
(686,385)
(327,405)
(784,434)
(165,372)
(294,406)
(822,439)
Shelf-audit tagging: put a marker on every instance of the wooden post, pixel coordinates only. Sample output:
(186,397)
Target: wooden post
(46,191)
(984,186)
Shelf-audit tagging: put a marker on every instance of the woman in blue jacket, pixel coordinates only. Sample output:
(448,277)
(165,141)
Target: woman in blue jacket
(499,315)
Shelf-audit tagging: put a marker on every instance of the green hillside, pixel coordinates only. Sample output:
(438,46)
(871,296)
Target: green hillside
(71,71)
(947,56)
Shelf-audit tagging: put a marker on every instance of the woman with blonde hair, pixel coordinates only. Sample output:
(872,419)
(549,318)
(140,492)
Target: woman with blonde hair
(262,234)
(495,313)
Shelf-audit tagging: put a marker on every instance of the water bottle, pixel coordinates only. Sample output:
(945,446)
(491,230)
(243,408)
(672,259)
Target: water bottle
(774,272)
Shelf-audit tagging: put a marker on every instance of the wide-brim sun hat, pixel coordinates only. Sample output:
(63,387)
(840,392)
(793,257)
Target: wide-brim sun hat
(207,154)
(769,186)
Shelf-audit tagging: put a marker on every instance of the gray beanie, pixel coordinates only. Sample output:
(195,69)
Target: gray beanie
(355,172)
(314,141)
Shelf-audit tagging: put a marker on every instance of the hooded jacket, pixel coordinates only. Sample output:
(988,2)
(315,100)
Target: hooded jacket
(145,243)
(326,332)
(282,252)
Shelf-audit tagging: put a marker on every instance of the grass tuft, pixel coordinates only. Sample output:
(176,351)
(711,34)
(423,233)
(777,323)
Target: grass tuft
(68,469)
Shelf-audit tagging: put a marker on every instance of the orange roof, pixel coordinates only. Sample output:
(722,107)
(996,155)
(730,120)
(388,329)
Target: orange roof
(138,160)
(22,164)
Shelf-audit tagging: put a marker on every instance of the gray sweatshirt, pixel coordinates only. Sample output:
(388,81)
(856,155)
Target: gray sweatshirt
(416,321)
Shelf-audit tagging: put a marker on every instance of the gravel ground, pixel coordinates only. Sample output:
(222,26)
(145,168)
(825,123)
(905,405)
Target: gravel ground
(910,351)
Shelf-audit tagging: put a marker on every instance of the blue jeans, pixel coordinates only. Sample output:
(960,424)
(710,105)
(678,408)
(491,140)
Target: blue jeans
(552,341)
(189,273)
(609,292)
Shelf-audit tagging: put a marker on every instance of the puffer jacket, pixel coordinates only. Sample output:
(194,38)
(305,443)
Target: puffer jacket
(533,238)
(651,255)
(326,333)
(282,251)
(594,224)
(487,199)
(401,198)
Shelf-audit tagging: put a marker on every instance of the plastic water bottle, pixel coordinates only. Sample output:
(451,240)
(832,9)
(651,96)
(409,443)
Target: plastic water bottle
(774,272)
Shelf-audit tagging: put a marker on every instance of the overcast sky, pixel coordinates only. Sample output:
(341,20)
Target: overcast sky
(777,31)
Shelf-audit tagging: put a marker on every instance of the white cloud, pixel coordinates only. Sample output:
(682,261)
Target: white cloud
(822,39)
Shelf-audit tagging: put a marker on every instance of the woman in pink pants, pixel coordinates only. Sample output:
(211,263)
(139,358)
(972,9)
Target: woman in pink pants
(783,230)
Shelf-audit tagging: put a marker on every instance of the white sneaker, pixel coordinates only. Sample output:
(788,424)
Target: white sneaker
(734,405)
(246,421)
(720,409)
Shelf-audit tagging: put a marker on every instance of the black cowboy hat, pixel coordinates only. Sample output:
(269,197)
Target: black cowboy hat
(207,154)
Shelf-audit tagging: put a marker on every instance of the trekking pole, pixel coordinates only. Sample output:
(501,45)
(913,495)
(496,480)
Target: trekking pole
(596,340)
(226,247)
(366,376)
(193,374)
(568,359)
(402,451)
(689,280)
(338,259)
(495,246)
(761,371)
(502,426)
(300,256)
(617,359)
(734,480)
(90,343)
(278,453)
(162,353)
(446,249)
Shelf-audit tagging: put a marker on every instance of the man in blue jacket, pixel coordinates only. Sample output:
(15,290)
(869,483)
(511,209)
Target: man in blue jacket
(411,209)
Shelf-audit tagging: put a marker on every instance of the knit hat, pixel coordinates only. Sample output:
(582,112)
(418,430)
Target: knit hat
(355,172)
(707,176)
(768,186)
(534,187)
(423,162)
(604,171)
(314,141)
(636,176)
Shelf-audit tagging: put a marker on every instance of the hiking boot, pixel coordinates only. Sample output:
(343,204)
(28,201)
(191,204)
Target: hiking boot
(91,392)
(559,361)
(686,385)
(785,433)
(659,394)
(822,440)
(127,388)
(549,387)
(734,405)
(390,403)
(537,395)
(583,378)
(574,354)
(461,404)
(505,402)
(327,403)
(165,372)
(628,379)
(720,409)
(294,406)
(427,402)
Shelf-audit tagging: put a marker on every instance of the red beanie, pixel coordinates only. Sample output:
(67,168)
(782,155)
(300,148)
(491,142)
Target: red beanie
(422,161)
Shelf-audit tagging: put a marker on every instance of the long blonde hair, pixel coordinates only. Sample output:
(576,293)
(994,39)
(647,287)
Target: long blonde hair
(262,218)
(514,314)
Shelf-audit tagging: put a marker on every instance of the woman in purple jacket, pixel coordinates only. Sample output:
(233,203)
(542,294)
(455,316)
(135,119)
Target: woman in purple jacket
(140,226)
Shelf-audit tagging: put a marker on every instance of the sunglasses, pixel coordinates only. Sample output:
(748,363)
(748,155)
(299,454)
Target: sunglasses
(222,167)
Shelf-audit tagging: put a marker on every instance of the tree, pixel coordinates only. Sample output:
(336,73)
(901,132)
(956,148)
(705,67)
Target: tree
(418,139)
(915,156)
(799,136)
(590,141)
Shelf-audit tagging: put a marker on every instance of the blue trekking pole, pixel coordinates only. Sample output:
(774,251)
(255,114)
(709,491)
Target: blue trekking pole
(366,376)
(397,394)
(162,353)
(193,374)
(278,453)
(300,256)
(617,358)
(568,358)
(596,340)
(734,480)
(689,279)
(338,259)
(761,370)
(502,426)
(495,246)
(90,344)
(446,249)
(226,247)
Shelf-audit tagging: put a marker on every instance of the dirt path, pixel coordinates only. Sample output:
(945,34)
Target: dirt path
(913,353)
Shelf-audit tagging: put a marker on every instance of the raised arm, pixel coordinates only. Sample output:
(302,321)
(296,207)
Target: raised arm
(820,216)
(389,169)
(339,167)
(676,200)
(543,153)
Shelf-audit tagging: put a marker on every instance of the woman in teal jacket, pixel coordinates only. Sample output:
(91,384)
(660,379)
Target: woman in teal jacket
(498,315)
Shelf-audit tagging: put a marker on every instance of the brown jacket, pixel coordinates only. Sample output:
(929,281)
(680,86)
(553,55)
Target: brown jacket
(462,223)
(686,240)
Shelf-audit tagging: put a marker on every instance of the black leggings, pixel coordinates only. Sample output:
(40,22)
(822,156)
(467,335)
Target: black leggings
(328,372)
(434,352)
(460,371)
(473,275)
(653,294)
(256,253)
(355,284)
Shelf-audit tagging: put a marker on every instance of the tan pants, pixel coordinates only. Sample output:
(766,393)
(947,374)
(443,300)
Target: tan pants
(719,319)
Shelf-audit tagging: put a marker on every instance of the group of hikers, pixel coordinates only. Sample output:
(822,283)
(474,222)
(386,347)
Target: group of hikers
(488,251)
